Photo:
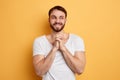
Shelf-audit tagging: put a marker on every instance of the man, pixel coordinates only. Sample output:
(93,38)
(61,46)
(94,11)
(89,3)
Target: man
(59,55)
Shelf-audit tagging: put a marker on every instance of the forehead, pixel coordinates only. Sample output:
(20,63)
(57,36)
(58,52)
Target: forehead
(57,13)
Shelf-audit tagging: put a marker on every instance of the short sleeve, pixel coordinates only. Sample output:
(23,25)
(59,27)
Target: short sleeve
(37,48)
(79,45)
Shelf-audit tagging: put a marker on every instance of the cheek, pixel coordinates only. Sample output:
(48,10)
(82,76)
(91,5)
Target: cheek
(51,21)
(64,22)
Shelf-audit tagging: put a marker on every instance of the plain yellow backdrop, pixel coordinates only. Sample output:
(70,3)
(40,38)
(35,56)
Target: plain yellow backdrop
(96,21)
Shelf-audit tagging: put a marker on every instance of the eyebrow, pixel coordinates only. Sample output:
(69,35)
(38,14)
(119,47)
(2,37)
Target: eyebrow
(59,16)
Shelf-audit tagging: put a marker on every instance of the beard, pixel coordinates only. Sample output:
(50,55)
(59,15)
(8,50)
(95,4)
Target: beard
(57,29)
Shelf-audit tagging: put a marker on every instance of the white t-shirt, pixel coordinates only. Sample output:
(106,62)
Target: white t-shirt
(59,70)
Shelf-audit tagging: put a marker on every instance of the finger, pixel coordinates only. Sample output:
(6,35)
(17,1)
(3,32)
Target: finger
(56,44)
(59,35)
(58,39)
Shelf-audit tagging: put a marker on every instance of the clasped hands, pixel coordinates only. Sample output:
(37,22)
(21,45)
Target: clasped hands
(59,42)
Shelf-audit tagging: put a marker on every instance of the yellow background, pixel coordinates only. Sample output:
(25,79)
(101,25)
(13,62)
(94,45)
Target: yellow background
(96,21)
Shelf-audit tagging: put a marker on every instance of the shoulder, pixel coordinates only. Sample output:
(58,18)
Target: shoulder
(76,37)
(40,38)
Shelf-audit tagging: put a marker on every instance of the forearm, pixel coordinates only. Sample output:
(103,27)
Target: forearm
(73,62)
(43,65)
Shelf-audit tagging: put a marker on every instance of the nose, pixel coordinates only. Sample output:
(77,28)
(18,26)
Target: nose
(57,20)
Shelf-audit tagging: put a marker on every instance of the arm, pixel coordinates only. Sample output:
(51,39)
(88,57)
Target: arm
(76,62)
(42,64)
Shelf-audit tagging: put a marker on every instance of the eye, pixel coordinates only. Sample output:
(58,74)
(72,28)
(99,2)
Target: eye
(61,17)
(53,17)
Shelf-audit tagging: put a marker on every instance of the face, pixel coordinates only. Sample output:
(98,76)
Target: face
(57,20)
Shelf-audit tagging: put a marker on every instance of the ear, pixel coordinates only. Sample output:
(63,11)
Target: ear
(65,19)
(49,19)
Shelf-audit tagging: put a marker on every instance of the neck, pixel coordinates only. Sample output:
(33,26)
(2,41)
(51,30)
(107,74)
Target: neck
(54,33)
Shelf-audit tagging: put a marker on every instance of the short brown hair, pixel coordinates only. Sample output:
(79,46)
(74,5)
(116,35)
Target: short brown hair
(58,8)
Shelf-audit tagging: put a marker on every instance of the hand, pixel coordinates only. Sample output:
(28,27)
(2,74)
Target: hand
(61,40)
(56,45)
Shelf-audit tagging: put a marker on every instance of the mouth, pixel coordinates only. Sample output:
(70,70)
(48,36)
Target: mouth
(57,24)
(57,27)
